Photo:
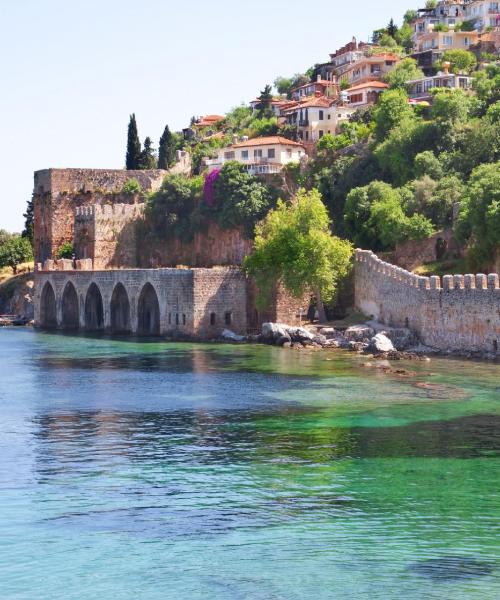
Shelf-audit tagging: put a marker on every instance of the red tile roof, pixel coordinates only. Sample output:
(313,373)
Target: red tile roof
(209,120)
(271,140)
(368,84)
(319,101)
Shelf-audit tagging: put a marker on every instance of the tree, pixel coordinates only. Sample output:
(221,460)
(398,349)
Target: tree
(294,246)
(392,28)
(15,251)
(451,106)
(404,71)
(65,251)
(240,198)
(133,157)
(479,217)
(5,236)
(264,107)
(167,149)
(427,163)
(29,221)
(131,186)
(409,16)
(283,84)
(404,37)
(147,158)
(391,110)
(460,60)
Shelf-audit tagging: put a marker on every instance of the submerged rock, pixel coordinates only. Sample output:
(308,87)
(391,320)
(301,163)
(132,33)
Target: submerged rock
(449,568)
(229,335)
(359,333)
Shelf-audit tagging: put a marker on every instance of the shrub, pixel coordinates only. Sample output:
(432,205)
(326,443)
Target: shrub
(132,186)
(65,251)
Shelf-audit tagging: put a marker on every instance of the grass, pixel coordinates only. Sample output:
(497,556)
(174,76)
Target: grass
(454,266)
(6,272)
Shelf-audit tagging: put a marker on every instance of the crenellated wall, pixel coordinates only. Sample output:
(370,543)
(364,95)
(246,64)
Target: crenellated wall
(453,313)
(107,234)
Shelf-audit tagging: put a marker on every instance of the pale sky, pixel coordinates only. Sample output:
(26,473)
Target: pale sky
(72,71)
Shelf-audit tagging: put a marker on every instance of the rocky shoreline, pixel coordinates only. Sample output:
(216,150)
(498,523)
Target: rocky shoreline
(372,339)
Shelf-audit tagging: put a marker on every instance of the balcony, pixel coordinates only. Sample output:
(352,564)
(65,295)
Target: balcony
(264,168)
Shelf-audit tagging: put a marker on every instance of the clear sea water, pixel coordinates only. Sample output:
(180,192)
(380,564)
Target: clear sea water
(175,471)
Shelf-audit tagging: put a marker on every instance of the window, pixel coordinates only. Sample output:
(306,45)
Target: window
(271,153)
(244,155)
(307,136)
(289,152)
(228,318)
(448,40)
(321,115)
(321,133)
(329,117)
(229,155)
(177,318)
(212,319)
(466,41)
(257,153)
(183,319)
(170,318)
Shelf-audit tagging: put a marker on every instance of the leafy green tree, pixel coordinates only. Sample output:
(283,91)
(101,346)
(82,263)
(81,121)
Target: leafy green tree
(167,149)
(29,221)
(409,16)
(493,113)
(329,144)
(283,85)
(479,217)
(15,251)
(294,246)
(132,186)
(427,163)
(486,84)
(404,37)
(392,108)
(387,41)
(241,199)
(264,107)
(451,106)
(460,60)
(263,126)
(147,158)
(172,210)
(5,236)
(404,71)
(133,157)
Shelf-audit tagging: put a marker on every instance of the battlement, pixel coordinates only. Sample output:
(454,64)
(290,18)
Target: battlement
(56,181)
(108,211)
(447,283)
(452,313)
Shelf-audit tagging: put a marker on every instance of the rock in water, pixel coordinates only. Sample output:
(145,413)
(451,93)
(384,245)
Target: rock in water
(227,334)
(380,343)
(299,334)
(274,331)
(359,333)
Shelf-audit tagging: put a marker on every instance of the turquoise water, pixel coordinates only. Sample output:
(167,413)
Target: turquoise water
(154,471)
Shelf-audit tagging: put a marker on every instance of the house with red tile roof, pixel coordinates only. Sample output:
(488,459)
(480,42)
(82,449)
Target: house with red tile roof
(314,117)
(364,94)
(261,156)
(372,67)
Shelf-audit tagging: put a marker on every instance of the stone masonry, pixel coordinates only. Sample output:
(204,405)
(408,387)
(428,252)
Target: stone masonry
(58,192)
(455,313)
(191,302)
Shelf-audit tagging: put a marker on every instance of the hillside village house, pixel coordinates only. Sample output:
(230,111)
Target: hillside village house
(432,45)
(315,117)
(484,14)
(369,68)
(365,94)
(445,13)
(419,89)
(320,87)
(276,105)
(260,155)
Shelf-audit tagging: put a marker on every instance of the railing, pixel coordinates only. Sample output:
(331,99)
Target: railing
(256,169)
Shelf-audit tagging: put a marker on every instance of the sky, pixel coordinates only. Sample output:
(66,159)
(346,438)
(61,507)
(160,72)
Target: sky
(71,72)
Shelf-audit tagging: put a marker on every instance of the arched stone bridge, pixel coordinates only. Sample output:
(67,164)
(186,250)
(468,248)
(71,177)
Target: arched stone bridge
(197,302)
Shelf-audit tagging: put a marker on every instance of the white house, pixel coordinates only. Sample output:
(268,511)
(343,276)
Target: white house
(260,155)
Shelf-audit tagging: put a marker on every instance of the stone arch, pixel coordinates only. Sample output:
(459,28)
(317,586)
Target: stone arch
(48,312)
(70,311)
(120,310)
(94,310)
(148,312)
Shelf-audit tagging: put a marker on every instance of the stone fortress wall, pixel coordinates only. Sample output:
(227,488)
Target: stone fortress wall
(453,313)
(58,192)
(107,234)
(187,302)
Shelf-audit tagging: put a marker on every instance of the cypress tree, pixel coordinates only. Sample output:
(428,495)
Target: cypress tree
(29,220)
(147,159)
(133,157)
(264,106)
(166,149)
